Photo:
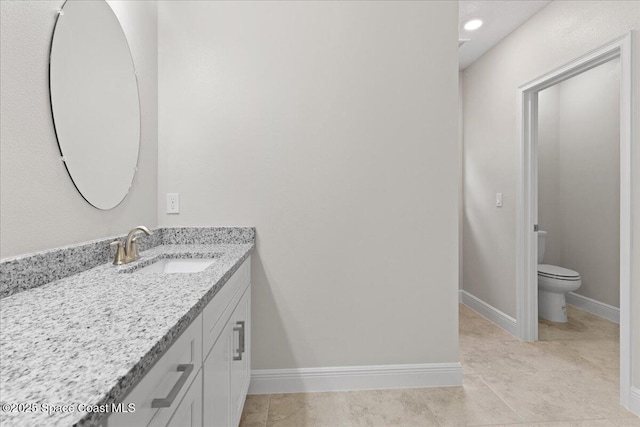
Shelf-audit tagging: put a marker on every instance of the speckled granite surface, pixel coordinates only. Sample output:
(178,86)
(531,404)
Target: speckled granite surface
(90,336)
(29,271)
(204,235)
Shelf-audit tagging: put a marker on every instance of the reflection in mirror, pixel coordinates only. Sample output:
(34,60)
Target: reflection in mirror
(94,100)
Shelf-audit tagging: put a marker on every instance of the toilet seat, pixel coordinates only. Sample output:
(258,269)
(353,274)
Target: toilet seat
(553,284)
(557,273)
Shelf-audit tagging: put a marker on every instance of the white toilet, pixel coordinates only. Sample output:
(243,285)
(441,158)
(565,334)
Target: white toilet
(553,284)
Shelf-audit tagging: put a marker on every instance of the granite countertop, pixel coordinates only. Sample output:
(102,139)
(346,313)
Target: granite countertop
(87,338)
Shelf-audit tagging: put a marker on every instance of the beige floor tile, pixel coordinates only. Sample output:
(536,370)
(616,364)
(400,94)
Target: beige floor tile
(379,408)
(472,325)
(557,395)
(485,330)
(581,325)
(256,410)
(620,422)
(465,313)
(472,404)
(554,356)
(603,353)
(309,409)
(485,356)
(568,379)
(596,340)
(625,422)
(585,423)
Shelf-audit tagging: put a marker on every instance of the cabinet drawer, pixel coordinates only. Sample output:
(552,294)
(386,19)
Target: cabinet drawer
(216,314)
(189,413)
(175,370)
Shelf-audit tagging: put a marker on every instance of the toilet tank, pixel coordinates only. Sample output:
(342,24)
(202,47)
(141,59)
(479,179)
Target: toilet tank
(542,240)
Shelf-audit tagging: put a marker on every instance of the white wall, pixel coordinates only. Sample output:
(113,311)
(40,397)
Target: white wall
(549,172)
(332,128)
(39,206)
(582,202)
(562,31)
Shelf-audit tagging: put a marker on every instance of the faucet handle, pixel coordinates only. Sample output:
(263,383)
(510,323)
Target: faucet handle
(119,257)
(133,250)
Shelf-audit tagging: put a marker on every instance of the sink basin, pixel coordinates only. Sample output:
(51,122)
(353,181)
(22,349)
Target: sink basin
(170,265)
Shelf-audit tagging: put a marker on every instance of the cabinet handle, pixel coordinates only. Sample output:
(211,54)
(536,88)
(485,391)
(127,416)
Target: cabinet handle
(168,401)
(240,330)
(241,323)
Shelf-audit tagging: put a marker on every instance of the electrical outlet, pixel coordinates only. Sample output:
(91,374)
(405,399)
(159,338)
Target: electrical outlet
(499,200)
(173,203)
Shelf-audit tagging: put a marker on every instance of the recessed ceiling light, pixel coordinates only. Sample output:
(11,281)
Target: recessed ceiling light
(473,24)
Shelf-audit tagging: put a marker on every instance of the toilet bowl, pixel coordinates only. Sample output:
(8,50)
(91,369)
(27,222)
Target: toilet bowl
(553,284)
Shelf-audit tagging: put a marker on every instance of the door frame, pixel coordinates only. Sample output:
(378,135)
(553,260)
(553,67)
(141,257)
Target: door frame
(527,195)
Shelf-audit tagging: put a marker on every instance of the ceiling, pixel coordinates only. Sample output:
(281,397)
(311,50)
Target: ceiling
(500,18)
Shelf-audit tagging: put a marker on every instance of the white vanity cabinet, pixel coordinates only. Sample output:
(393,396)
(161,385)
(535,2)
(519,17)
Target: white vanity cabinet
(227,368)
(203,378)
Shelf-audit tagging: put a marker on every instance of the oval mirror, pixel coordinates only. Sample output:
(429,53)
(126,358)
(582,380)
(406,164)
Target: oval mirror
(94,101)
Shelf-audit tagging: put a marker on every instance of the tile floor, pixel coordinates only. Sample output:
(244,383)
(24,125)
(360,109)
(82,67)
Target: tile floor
(568,378)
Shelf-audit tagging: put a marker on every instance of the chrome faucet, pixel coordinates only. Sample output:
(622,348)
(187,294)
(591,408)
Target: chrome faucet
(129,252)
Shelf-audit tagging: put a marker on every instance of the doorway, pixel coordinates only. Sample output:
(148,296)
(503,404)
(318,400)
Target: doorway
(527,205)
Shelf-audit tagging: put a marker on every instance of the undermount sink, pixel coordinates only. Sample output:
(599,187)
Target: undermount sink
(171,265)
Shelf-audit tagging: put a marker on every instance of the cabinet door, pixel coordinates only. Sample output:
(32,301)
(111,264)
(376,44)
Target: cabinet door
(241,364)
(161,379)
(189,412)
(218,311)
(217,381)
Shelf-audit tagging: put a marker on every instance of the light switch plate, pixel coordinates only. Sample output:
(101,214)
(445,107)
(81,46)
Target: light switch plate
(173,203)
(499,200)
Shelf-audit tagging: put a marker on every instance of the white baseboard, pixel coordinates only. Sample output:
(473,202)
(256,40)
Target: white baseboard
(592,306)
(308,380)
(634,400)
(492,314)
